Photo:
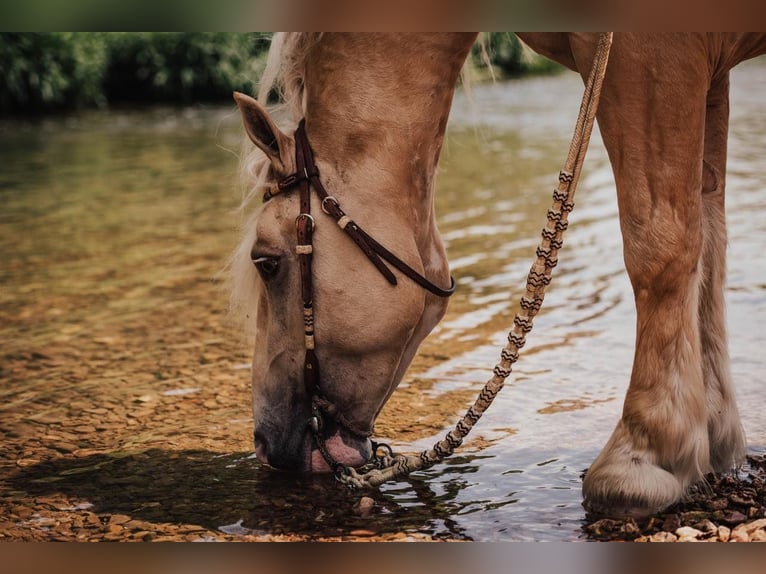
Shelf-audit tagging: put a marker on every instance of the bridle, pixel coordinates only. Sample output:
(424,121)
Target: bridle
(306,178)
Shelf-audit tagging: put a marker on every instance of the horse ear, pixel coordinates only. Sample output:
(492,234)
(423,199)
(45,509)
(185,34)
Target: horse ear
(262,131)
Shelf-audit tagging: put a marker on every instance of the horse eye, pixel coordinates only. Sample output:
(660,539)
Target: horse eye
(266,266)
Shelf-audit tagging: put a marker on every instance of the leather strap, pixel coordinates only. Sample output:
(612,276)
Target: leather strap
(307,177)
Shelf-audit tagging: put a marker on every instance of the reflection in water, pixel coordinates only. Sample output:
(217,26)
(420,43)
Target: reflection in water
(115,227)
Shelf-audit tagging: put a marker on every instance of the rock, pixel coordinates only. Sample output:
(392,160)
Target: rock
(751,527)
(630,529)
(119,519)
(739,500)
(706,526)
(739,534)
(364,506)
(604,527)
(758,536)
(687,534)
(717,503)
(663,537)
(671,523)
(693,517)
(733,517)
(64,447)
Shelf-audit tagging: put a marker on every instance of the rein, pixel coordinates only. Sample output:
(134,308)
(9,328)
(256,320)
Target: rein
(306,178)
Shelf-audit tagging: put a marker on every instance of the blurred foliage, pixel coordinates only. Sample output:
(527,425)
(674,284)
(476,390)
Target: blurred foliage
(51,71)
(41,72)
(509,57)
(183,67)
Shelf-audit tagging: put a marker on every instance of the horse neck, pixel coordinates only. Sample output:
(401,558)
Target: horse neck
(378,104)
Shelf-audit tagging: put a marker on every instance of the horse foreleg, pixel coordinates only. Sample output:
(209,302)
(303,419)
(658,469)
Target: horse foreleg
(727,439)
(652,119)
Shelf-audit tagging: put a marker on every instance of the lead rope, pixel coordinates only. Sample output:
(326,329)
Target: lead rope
(387,466)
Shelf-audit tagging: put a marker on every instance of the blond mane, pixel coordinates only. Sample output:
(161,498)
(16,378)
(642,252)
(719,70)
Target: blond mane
(283,76)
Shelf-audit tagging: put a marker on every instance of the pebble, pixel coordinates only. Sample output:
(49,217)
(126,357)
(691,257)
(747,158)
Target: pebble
(119,519)
(688,534)
(64,447)
(364,506)
(663,537)
(739,534)
(756,525)
(706,526)
(733,517)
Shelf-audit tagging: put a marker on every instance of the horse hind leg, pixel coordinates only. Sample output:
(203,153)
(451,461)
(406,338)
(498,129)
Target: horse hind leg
(725,433)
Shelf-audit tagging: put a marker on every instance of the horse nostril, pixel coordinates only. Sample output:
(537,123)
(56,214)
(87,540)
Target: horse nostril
(276,455)
(261,447)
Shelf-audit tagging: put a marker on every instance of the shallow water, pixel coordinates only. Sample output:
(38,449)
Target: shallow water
(114,229)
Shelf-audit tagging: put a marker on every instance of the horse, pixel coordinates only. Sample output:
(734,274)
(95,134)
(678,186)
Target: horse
(336,328)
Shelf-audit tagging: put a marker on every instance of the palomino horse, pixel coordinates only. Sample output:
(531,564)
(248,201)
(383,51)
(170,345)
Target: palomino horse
(336,328)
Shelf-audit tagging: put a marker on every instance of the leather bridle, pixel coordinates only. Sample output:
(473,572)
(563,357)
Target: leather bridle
(306,178)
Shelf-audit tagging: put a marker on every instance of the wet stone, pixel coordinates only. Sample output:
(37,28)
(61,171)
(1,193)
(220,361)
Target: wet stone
(687,533)
(706,526)
(64,447)
(733,517)
(671,523)
(362,533)
(663,537)
(717,504)
(739,534)
(119,519)
(364,506)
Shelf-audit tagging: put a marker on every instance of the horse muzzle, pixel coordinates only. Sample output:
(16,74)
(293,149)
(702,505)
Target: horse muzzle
(301,454)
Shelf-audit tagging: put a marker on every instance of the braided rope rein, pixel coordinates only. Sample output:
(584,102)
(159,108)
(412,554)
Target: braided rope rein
(388,467)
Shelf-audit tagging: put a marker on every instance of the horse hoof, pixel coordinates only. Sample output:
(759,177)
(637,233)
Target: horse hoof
(637,489)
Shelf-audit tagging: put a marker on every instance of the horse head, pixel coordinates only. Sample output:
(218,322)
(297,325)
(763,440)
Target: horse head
(363,327)
(369,312)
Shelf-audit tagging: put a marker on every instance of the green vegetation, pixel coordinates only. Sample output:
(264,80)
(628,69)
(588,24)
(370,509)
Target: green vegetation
(509,58)
(43,72)
(183,67)
(54,71)
(48,71)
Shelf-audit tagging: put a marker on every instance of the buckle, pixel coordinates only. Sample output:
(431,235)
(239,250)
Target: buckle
(307,217)
(333,200)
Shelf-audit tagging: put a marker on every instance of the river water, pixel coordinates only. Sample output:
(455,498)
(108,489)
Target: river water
(115,227)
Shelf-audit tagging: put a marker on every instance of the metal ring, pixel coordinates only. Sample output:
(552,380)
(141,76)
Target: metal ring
(325,199)
(304,216)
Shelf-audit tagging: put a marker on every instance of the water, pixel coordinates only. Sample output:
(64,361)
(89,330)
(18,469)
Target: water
(114,229)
